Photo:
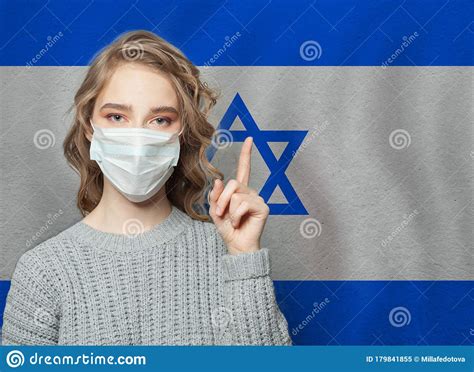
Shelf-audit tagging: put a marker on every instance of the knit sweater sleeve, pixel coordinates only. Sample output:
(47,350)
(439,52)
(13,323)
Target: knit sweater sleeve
(250,314)
(32,307)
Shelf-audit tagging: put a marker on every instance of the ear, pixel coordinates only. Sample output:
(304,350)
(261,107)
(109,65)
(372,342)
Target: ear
(88,132)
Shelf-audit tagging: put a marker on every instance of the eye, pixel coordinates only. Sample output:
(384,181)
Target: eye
(116,118)
(161,121)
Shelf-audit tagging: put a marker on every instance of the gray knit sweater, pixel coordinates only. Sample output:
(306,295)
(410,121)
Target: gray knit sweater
(172,285)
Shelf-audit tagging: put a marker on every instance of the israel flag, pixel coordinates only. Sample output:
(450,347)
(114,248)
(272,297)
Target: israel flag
(361,114)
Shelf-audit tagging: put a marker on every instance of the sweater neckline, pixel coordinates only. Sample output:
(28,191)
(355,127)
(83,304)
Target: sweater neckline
(133,238)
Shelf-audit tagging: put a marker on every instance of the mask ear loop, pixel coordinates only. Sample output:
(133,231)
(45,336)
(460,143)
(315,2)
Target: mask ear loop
(93,128)
(176,135)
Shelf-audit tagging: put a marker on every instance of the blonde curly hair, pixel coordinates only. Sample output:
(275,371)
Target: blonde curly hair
(186,187)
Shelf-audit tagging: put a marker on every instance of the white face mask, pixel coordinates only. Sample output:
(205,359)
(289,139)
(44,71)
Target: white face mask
(137,161)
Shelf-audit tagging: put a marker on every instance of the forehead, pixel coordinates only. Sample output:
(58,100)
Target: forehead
(138,86)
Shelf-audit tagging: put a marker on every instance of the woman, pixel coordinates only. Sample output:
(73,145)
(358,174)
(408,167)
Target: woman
(143,266)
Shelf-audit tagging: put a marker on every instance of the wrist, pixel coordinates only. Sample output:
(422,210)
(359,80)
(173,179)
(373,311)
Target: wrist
(241,250)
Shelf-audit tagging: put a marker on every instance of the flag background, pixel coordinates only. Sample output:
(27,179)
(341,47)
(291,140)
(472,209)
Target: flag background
(362,118)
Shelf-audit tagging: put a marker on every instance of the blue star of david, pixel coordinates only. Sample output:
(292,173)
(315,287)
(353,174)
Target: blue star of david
(277,167)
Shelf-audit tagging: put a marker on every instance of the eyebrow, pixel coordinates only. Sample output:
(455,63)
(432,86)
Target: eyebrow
(154,110)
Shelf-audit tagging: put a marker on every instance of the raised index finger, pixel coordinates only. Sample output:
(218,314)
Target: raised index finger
(243,168)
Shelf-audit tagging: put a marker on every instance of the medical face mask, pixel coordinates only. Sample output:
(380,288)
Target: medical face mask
(137,161)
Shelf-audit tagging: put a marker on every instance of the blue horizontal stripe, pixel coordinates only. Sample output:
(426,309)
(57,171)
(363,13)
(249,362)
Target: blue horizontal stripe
(359,312)
(259,33)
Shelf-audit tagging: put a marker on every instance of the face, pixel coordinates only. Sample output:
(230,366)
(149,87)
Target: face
(137,97)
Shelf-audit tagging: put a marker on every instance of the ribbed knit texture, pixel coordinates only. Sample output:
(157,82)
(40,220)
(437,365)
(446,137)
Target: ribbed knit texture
(172,285)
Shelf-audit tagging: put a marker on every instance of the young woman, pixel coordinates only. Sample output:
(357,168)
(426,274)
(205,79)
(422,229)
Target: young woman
(144,266)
